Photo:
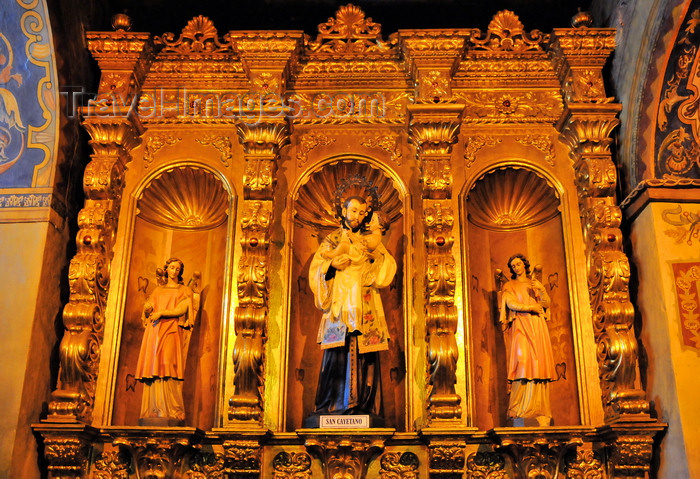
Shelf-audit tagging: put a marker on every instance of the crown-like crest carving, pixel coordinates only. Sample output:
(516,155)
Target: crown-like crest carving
(506,33)
(198,36)
(350,33)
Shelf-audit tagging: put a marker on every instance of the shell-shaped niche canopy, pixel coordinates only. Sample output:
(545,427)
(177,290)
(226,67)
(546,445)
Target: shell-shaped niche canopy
(315,201)
(185,198)
(511,198)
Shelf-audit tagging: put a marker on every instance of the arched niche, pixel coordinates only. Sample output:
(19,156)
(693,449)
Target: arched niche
(181,211)
(313,217)
(514,209)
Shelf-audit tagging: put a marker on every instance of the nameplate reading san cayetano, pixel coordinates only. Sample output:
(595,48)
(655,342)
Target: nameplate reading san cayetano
(344,421)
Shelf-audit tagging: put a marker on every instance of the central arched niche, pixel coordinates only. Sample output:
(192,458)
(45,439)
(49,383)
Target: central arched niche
(516,210)
(314,218)
(183,212)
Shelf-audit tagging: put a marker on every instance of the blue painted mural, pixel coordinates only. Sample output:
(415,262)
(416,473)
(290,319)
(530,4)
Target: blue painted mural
(28,97)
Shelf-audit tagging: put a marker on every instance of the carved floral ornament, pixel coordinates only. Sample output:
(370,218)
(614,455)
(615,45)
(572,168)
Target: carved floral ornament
(198,36)
(350,32)
(506,33)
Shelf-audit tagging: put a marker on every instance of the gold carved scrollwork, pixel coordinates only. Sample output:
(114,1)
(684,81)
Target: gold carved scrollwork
(294,465)
(251,314)
(308,142)
(486,465)
(242,459)
(582,463)
(540,458)
(435,85)
(506,33)
(586,86)
(388,143)
(441,313)
(630,456)
(433,128)
(206,465)
(347,458)
(350,32)
(512,107)
(586,129)
(261,143)
(221,143)
(112,465)
(112,138)
(156,458)
(396,465)
(67,457)
(473,144)
(154,143)
(447,459)
(542,143)
(199,36)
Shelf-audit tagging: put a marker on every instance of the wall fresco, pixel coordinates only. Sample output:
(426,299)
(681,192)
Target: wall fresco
(28,97)
(677,138)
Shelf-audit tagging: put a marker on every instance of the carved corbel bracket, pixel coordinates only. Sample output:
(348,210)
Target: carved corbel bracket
(66,448)
(262,143)
(156,457)
(345,455)
(433,128)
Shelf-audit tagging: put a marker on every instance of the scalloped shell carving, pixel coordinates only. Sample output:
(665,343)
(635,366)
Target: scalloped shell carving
(510,199)
(314,202)
(185,198)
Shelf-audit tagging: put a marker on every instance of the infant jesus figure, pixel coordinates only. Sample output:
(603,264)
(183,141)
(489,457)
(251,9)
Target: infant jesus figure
(357,245)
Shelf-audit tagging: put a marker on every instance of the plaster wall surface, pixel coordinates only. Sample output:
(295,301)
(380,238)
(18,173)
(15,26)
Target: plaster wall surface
(672,372)
(21,257)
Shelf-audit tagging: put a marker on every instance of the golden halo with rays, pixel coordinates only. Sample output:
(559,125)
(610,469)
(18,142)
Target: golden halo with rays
(315,203)
(511,198)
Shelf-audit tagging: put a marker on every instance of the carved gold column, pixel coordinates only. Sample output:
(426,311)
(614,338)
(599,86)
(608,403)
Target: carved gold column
(262,131)
(114,130)
(261,142)
(434,122)
(586,126)
(433,129)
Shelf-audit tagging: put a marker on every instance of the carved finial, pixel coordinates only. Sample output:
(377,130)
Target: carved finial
(199,36)
(582,19)
(121,22)
(349,32)
(506,33)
